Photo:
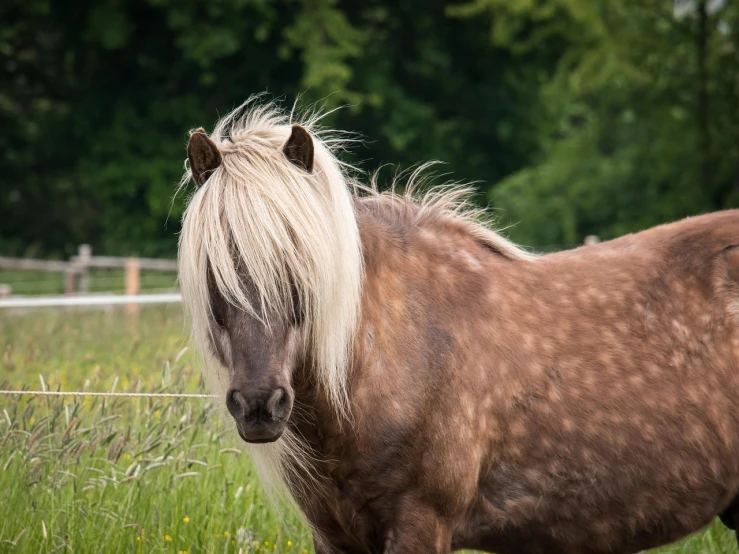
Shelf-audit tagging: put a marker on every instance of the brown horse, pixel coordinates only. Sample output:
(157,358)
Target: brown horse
(420,384)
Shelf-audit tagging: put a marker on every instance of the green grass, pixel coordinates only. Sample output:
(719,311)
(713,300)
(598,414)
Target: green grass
(101,280)
(123,475)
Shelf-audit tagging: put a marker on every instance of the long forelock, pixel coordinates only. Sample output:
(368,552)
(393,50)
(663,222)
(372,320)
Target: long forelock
(260,215)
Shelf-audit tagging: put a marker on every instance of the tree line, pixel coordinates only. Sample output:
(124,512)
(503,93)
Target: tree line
(572,117)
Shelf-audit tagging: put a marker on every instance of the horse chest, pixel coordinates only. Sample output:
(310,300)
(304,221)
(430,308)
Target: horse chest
(347,514)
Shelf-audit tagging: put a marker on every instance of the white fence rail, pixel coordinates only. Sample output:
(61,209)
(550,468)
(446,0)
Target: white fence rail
(89,300)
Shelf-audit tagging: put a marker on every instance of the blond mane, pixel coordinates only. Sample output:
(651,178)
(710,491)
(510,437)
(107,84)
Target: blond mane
(260,213)
(423,203)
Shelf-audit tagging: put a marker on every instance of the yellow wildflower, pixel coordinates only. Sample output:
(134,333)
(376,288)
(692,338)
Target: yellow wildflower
(167,538)
(225,534)
(305,551)
(186,519)
(266,543)
(138,539)
(289,543)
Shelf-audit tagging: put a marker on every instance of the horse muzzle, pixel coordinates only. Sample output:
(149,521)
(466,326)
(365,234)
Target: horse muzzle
(260,416)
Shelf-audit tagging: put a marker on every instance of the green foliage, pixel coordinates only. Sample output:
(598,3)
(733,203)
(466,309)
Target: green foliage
(327,43)
(641,123)
(574,117)
(100,96)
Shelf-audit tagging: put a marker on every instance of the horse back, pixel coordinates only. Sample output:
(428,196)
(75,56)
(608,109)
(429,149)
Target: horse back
(615,376)
(582,401)
(584,394)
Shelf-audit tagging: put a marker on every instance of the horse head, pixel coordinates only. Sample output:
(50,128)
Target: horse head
(270,265)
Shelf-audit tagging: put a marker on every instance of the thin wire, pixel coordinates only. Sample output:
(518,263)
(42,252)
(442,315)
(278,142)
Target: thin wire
(114,394)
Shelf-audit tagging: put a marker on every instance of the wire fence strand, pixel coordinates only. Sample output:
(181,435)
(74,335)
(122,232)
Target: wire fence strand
(111,394)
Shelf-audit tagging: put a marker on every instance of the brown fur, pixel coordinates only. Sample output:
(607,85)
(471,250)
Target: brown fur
(581,402)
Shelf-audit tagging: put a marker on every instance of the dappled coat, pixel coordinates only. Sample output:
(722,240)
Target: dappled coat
(577,402)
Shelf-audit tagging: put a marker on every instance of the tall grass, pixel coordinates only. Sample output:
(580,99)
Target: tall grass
(135,475)
(121,475)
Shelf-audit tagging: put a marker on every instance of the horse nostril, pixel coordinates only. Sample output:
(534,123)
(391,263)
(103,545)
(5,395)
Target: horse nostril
(275,401)
(236,403)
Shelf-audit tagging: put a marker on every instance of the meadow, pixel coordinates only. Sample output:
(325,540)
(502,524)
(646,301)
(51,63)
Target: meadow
(28,282)
(121,475)
(136,475)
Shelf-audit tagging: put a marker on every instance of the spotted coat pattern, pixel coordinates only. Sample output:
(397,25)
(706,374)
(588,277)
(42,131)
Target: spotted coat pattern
(585,401)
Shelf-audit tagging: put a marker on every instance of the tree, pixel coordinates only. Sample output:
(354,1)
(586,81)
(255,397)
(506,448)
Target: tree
(642,124)
(101,95)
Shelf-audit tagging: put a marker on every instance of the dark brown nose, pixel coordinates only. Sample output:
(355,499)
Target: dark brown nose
(263,407)
(260,415)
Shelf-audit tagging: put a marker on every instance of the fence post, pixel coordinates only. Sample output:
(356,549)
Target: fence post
(69,278)
(84,253)
(5,291)
(133,281)
(591,239)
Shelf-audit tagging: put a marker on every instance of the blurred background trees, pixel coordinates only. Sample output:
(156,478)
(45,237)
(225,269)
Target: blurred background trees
(642,114)
(574,117)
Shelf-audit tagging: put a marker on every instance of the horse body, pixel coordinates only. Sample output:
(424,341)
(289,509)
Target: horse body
(584,401)
(420,384)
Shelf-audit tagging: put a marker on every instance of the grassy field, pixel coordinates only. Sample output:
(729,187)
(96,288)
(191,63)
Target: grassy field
(94,475)
(101,280)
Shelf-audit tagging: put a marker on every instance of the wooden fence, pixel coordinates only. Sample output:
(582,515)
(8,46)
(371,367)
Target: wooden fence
(77,270)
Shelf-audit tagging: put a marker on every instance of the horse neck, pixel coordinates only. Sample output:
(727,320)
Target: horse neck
(381,236)
(316,418)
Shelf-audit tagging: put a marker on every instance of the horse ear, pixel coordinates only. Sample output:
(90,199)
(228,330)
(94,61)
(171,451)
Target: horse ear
(203,155)
(299,148)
